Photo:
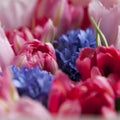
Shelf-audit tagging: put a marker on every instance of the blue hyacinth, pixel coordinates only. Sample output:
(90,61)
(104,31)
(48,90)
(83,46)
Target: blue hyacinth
(32,82)
(68,46)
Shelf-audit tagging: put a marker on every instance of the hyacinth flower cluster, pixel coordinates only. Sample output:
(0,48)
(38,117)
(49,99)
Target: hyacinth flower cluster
(61,59)
(32,82)
(69,45)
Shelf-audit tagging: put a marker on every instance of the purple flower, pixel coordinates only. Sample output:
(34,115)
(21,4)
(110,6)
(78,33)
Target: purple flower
(68,46)
(32,82)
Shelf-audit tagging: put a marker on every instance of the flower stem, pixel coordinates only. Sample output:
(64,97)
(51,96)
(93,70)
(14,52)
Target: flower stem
(103,39)
(98,41)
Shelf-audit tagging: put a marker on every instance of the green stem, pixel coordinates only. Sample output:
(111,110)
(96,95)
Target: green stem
(103,39)
(98,41)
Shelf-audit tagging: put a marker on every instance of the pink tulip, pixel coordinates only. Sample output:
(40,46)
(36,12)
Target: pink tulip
(6,52)
(67,110)
(109,13)
(30,109)
(37,53)
(8,93)
(80,2)
(16,13)
(63,14)
(44,32)
(18,37)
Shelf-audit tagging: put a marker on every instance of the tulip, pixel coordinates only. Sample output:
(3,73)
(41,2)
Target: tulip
(67,110)
(37,53)
(18,37)
(60,88)
(63,14)
(108,11)
(16,13)
(28,108)
(94,94)
(8,93)
(6,52)
(80,2)
(44,33)
(84,4)
(101,61)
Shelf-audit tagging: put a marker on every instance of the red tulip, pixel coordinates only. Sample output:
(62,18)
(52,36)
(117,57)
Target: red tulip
(94,94)
(103,59)
(59,91)
(80,2)
(85,97)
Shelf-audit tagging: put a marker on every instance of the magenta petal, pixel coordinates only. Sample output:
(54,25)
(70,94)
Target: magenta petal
(80,2)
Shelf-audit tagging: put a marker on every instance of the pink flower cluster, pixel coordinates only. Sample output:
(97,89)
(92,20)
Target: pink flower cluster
(27,31)
(98,89)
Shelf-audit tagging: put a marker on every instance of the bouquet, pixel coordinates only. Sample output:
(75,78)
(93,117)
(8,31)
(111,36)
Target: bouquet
(59,59)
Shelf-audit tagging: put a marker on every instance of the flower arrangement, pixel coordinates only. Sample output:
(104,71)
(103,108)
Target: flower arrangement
(59,58)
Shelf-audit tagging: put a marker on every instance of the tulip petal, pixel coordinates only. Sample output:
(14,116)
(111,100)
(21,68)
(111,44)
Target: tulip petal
(118,38)
(6,52)
(15,10)
(80,2)
(110,18)
(48,32)
(28,107)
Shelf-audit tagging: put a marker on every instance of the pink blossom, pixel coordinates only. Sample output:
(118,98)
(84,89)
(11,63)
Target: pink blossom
(63,14)
(94,94)
(44,32)
(101,61)
(18,37)
(84,97)
(66,109)
(16,13)
(105,58)
(6,52)
(80,2)
(109,13)
(26,107)
(8,93)
(37,53)
(60,89)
